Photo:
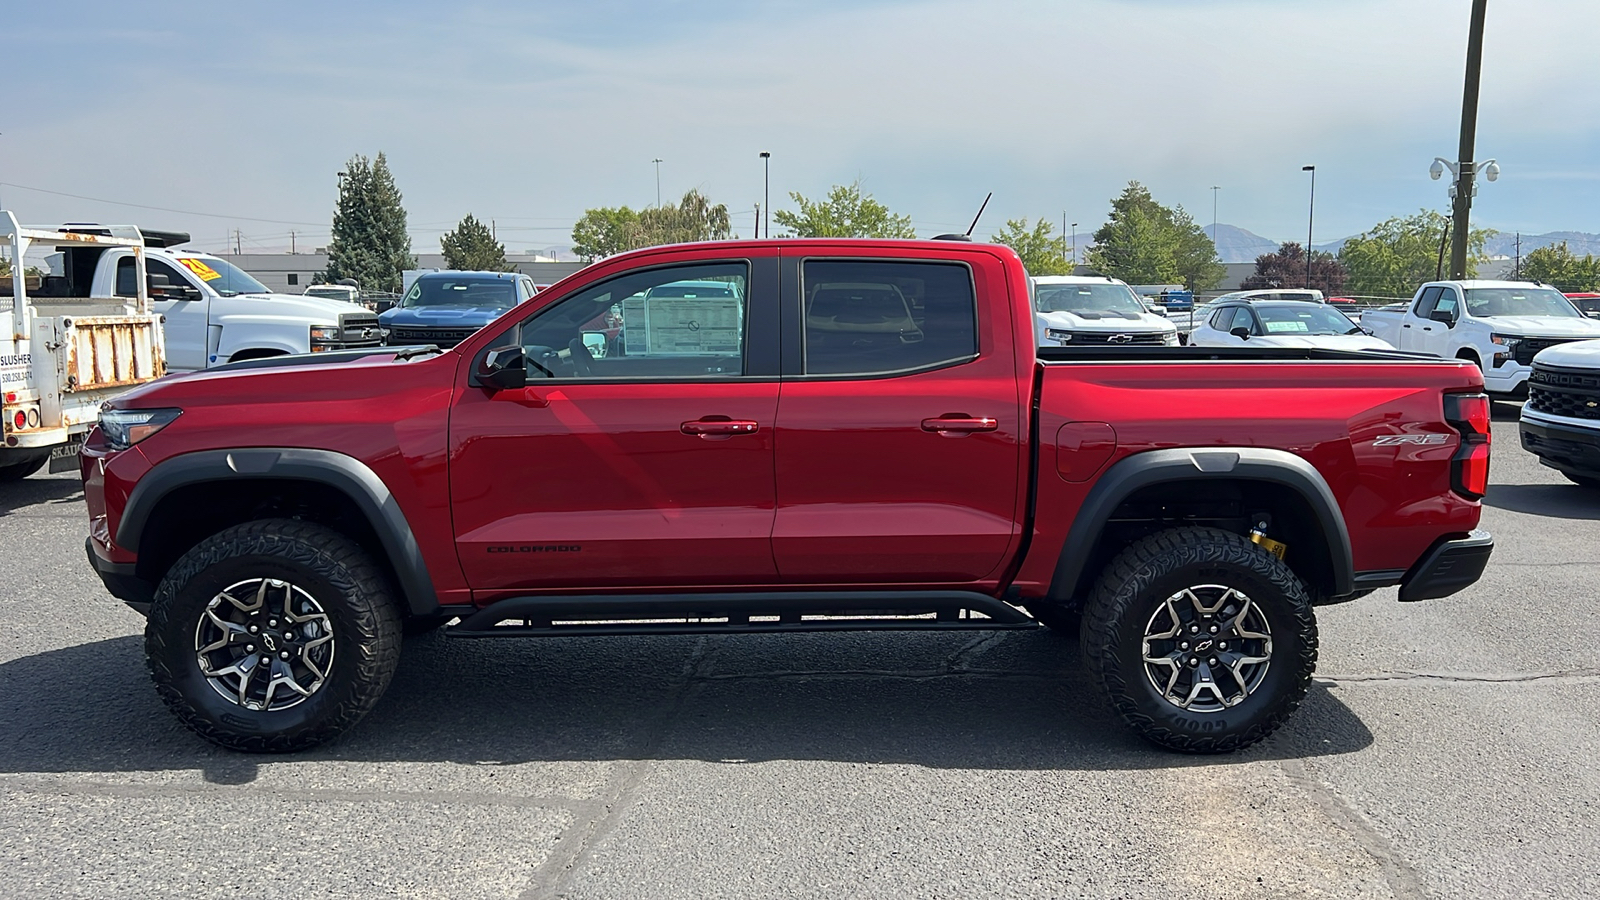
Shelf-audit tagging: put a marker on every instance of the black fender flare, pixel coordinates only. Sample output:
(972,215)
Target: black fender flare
(344,473)
(1196,464)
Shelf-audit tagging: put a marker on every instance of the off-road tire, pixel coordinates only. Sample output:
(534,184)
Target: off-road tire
(20,470)
(1066,621)
(1140,579)
(1587,481)
(351,589)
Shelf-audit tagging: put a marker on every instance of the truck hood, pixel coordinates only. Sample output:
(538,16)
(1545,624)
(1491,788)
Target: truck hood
(1143,322)
(1543,326)
(1325,341)
(316,310)
(1578,355)
(442,316)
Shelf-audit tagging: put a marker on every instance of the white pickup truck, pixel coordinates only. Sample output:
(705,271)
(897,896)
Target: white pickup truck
(1500,325)
(62,356)
(215,312)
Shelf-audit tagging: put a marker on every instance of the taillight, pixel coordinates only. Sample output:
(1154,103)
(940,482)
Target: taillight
(1469,468)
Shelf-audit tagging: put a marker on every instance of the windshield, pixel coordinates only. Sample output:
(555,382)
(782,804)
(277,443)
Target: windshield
(222,276)
(1484,302)
(1091,301)
(498,293)
(1307,319)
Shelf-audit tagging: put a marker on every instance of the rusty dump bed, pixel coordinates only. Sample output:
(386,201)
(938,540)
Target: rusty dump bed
(110,351)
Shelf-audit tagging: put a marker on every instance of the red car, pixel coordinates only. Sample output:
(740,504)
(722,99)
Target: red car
(1587,301)
(807,435)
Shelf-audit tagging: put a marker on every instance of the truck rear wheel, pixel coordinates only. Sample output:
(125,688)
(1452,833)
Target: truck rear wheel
(272,636)
(1202,641)
(16,471)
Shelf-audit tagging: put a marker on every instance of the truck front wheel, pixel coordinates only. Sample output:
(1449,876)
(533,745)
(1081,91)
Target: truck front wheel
(272,636)
(1202,641)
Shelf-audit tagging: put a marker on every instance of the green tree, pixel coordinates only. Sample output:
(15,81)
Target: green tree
(1556,265)
(1144,242)
(605,231)
(472,246)
(846,212)
(369,242)
(1398,254)
(1041,254)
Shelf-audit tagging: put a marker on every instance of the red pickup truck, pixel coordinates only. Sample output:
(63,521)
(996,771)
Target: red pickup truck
(805,435)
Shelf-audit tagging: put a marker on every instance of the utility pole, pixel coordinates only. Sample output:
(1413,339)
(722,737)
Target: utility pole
(238,238)
(1074,245)
(657,161)
(758,220)
(1469,131)
(1064,228)
(1311,220)
(766,191)
(291,243)
(1516,271)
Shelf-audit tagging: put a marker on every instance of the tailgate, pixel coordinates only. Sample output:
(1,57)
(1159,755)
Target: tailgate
(110,351)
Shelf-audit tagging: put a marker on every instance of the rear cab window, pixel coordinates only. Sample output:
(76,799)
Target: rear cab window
(886,317)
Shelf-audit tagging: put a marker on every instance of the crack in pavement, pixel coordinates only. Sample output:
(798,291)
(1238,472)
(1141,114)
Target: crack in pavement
(1571,676)
(594,820)
(79,788)
(1404,882)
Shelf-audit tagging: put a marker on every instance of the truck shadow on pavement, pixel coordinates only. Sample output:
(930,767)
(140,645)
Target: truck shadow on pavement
(1014,701)
(39,492)
(1562,501)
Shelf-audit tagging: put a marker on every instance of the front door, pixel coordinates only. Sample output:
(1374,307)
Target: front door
(640,453)
(185,326)
(899,433)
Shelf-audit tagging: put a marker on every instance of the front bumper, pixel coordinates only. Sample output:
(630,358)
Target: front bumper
(1451,564)
(120,580)
(1508,380)
(1570,449)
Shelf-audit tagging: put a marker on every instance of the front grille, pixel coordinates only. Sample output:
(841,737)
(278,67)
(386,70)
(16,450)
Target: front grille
(1114,338)
(359,328)
(1564,392)
(1528,347)
(444,337)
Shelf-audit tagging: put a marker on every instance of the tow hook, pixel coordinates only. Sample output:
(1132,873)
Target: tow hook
(1258,535)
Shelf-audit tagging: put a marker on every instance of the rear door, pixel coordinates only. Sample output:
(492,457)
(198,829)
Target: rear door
(640,453)
(899,451)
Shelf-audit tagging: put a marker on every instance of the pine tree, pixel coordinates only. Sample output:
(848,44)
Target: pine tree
(369,242)
(472,246)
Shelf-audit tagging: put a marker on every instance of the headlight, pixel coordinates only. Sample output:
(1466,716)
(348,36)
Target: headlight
(1170,339)
(1510,341)
(125,427)
(324,334)
(1058,335)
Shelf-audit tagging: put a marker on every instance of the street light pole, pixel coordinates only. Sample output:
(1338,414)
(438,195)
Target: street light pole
(1469,130)
(657,161)
(766,190)
(1074,245)
(1311,220)
(1214,189)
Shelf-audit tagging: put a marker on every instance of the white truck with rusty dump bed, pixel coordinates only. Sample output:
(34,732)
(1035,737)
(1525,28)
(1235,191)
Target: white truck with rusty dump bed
(62,356)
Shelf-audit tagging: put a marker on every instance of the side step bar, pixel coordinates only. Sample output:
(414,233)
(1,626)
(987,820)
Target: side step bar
(745,613)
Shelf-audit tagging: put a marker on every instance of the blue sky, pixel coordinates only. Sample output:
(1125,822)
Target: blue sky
(528,113)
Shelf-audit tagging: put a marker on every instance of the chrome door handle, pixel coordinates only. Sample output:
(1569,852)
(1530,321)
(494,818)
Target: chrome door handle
(960,423)
(719,426)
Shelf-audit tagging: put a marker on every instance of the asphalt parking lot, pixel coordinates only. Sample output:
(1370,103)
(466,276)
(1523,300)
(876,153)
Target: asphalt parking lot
(1448,749)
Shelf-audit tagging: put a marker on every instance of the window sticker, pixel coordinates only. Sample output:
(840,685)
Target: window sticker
(675,326)
(1294,327)
(199,267)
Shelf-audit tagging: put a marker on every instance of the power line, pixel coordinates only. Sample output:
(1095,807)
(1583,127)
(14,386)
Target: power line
(184,212)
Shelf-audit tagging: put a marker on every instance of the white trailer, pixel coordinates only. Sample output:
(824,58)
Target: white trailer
(63,355)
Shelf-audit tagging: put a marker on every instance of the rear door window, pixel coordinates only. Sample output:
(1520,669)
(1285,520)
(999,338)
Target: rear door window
(887,317)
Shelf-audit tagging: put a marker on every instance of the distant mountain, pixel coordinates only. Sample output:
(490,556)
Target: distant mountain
(1235,245)
(1579,242)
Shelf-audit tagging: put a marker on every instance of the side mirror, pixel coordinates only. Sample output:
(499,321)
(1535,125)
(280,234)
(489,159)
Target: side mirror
(1243,332)
(503,368)
(595,343)
(1443,315)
